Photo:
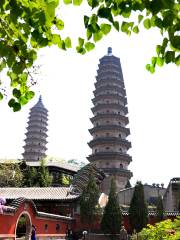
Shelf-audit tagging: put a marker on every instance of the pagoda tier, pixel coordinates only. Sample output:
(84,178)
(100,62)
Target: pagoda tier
(36,135)
(109,144)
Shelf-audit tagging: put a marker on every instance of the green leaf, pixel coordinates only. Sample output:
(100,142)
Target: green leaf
(81,42)
(1,96)
(152,69)
(68,42)
(16,93)
(125,27)
(175,41)
(89,46)
(105,13)
(158,49)
(127,13)
(140,18)
(33,54)
(29,95)
(77,2)
(165,42)
(81,50)
(169,56)
(147,23)
(16,107)
(88,34)
(153,60)
(158,22)
(97,36)
(105,28)
(93,3)
(160,62)
(86,21)
(67,1)
(56,39)
(116,25)
(59,24)
(94,18)
(136,29)
(11,102)
(23,100)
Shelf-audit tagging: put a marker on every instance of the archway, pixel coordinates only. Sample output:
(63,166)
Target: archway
(23,227)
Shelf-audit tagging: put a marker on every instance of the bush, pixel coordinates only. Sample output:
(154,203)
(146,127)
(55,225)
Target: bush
(163,230)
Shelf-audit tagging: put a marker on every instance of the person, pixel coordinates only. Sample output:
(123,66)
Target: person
(123,233)
(33,233)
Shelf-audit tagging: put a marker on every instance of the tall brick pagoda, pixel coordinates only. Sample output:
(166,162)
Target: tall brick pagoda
(36,136)
(109,144)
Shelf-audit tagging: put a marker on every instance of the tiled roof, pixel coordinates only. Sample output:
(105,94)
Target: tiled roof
(35,193)
(80,180)
(17,202)
(61,165)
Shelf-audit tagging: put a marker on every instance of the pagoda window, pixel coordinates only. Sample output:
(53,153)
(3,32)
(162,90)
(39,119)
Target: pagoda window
(120,136)
(107,111)
(107,148)
(121,166)
(107,134)
(97,124)
(95,150)
(119,123)
(120,149)
(107,121)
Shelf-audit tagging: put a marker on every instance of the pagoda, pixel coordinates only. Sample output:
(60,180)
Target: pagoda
(36,135)
(109,144)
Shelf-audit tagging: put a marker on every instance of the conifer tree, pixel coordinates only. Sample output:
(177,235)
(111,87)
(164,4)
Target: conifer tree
(89,202)
(112,217)
(44,178)
(159,209)
(30,178)
(138,212)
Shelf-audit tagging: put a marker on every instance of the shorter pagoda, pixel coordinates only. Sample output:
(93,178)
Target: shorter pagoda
(35,142)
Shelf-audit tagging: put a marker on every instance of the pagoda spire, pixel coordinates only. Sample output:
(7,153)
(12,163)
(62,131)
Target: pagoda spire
(109,144)
(36,135)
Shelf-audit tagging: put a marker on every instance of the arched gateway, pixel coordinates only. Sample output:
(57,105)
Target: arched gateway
(23,226)
(17,218)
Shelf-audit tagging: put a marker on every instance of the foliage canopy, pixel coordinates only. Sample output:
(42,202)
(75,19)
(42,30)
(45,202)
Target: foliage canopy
(89,202)
(26,26)
(112,216)
(10,175)
(138,212)
(163,230)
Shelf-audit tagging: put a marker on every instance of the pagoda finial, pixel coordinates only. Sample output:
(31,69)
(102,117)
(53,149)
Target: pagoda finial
(109,51)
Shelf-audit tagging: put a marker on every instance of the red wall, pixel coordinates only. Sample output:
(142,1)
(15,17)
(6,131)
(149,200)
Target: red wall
(8,222)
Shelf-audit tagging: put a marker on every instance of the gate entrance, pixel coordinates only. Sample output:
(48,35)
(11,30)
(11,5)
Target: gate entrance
(23,227)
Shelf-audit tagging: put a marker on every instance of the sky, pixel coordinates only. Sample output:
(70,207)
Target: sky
(66,83)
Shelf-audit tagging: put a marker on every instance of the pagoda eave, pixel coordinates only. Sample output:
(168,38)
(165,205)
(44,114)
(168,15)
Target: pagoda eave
(109,97)
(109,155)
(109,140)
(109,106)
(110,116)
(109,128)
(121,171)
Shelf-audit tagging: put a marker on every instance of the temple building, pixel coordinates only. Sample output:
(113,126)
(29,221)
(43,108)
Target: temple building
(109,144)
(36,136)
